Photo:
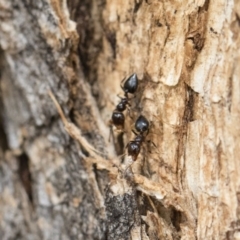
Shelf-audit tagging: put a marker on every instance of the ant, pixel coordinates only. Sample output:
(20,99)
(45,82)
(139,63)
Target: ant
(134,147)
(130,86)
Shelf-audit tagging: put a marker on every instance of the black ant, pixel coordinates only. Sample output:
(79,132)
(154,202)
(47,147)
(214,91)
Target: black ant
(134,147)
(129,86)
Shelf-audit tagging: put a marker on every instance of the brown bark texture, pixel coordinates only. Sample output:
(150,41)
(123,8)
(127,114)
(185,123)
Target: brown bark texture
(62,64)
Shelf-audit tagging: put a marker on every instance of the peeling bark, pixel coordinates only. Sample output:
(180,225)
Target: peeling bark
(62,63)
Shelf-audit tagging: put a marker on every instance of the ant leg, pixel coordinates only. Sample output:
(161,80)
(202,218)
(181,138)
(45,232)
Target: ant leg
(122,83)
(145,165)
(125,171)
(134,132)
(110,124)
(119,157)
(147,132)
(119,96)
(128,144)
(149,141)
(153,144)
(110,133)
(129,112)
(134,96)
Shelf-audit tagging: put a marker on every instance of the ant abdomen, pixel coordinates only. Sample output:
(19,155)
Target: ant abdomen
(131,84)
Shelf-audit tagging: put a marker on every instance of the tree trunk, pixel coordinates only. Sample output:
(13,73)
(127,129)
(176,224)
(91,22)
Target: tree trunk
(62,64)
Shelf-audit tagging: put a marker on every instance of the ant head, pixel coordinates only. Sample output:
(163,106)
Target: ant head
(134,149)
(142,124)
(118,119)
(131,84)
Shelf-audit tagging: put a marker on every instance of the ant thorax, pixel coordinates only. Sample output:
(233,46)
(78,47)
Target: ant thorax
(131,84)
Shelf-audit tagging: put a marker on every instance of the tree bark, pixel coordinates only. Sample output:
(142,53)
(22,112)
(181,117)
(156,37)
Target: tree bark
(62,64)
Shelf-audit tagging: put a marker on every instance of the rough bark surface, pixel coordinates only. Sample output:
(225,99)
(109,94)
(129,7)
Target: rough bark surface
(60,178)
